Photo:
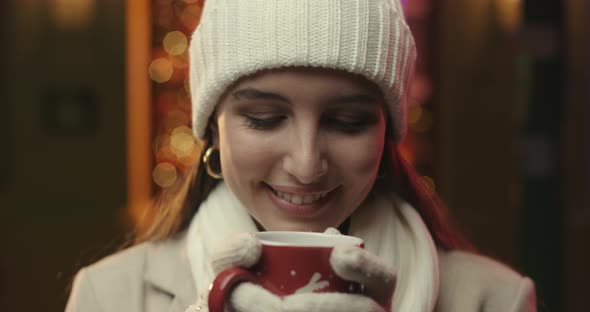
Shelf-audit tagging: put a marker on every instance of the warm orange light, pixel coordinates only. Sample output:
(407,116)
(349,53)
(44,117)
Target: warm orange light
(73,13)
(509,14)
(139,111)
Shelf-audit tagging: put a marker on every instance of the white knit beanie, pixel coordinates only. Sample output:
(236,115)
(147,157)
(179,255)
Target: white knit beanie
(236,38)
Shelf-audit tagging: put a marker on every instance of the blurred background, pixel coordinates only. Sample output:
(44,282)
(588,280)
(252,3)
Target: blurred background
(96,121)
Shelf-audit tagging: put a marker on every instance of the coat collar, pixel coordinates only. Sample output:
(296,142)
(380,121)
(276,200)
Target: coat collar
(168,271)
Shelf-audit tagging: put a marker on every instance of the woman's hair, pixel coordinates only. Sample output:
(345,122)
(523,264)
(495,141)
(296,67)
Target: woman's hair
(381,50)
(178,203)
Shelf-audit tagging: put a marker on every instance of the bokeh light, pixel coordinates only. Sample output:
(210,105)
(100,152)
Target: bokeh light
(191,15)
(509,14)
(161,70)
(175,43)
(73,13)
(414,113)
(165,154)
(424,123)
(182,141)
(165,174)
(179,61)
(429,184)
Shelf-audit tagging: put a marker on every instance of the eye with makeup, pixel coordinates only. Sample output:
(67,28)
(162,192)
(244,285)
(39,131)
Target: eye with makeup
(353,123)
(263,121)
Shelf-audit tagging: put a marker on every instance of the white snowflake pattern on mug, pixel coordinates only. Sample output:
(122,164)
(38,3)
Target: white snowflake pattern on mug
(313,285)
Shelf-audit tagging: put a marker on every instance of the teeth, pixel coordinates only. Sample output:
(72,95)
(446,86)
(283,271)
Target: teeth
(298,200)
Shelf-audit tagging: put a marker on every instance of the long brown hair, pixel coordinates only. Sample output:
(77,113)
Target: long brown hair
(178,203)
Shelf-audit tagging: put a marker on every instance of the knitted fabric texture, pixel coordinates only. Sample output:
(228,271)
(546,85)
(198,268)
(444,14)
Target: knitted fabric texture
(237,38)
(391,229)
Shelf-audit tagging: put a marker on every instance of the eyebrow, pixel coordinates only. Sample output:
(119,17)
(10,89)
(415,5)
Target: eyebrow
(256,94)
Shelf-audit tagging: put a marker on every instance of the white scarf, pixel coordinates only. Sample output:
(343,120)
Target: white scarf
(390,227)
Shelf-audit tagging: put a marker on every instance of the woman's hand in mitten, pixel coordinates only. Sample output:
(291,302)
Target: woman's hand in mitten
(356,264)
(243,250)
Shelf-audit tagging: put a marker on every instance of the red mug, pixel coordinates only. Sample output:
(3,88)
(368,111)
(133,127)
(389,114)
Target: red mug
(291,262)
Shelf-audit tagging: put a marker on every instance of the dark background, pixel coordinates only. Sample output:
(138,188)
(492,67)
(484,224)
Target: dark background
(507,148)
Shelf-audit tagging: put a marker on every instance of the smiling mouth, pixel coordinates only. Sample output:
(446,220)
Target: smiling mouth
(301,199)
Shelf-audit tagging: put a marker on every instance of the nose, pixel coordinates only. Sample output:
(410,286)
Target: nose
(305,159)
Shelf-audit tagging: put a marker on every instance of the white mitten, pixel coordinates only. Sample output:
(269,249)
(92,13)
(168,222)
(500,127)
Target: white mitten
(356,264)
(243,250)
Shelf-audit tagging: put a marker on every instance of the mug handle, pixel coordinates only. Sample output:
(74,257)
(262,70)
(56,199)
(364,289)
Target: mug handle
(224,283)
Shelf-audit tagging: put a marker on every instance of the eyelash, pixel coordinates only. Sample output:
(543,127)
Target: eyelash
(263,123)
(347,127)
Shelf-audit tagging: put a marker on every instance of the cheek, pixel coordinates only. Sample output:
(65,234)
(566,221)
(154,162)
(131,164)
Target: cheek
(243,153)
(360,156)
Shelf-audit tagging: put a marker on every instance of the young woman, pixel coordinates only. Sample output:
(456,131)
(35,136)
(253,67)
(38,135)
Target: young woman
(300,105)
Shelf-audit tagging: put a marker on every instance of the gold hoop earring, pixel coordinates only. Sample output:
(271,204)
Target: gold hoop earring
(206,161)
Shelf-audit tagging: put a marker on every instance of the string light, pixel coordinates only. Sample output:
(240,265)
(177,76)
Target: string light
(174,146)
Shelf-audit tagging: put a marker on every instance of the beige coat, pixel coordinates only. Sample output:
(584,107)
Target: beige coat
(156,277)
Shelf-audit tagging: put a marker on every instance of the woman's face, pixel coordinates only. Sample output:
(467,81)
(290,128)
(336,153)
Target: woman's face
(300,148)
